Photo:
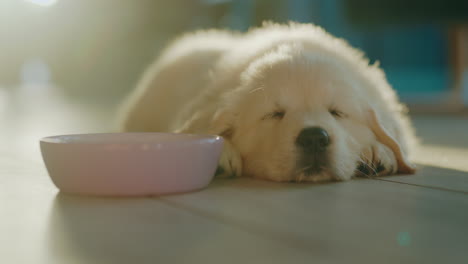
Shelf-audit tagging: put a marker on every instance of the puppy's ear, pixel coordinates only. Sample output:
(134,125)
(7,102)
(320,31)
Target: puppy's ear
(222,124)
(404,166)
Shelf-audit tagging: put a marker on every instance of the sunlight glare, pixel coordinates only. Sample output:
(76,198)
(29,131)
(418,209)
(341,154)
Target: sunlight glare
(442,156)
(42,2)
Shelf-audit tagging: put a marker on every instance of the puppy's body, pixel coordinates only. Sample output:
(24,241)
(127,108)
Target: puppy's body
(178,77)
(262,90)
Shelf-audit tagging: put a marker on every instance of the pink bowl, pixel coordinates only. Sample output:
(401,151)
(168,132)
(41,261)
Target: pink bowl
(131,164)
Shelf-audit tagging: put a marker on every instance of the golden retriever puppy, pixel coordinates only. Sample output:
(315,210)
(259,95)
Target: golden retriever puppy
(292,102)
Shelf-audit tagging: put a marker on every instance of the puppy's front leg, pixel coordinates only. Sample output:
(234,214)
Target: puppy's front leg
(230,163)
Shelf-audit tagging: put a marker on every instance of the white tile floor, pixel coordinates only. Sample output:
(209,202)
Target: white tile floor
(402,219)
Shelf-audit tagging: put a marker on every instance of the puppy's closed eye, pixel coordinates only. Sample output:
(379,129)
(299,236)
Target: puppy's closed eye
(277,114)
(336,113)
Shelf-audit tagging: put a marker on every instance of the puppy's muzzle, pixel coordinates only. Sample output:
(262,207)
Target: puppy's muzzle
(312,143)
(313,140)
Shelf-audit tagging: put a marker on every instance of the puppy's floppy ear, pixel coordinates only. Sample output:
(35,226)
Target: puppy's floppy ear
(404,166)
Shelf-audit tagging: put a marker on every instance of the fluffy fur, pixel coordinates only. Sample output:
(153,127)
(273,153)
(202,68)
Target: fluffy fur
(260,89)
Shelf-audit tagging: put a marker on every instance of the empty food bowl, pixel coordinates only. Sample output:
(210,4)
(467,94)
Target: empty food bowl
(131,164)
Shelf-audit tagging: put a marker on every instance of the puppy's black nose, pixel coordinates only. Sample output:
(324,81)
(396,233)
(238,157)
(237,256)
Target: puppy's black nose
(313,139)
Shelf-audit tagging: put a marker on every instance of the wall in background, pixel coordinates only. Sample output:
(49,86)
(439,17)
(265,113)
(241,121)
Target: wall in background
(98,49)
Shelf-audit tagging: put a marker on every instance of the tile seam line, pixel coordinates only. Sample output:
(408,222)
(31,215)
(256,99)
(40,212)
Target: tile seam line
(423,186)
(233,223)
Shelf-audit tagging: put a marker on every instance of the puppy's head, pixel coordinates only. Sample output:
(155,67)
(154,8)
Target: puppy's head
(296,117)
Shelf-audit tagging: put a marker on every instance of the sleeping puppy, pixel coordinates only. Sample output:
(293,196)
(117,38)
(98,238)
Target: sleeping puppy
(292,102)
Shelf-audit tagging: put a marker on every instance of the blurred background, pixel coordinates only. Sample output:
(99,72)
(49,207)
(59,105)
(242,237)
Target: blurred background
(64,61)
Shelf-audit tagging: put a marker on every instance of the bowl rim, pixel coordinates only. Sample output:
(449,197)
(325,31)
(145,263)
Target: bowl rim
(184,138)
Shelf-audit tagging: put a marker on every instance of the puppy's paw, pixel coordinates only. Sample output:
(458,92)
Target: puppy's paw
(377,160)
(384,162)
(230,163)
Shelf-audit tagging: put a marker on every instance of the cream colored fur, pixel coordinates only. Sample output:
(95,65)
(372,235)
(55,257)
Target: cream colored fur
(219,82)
